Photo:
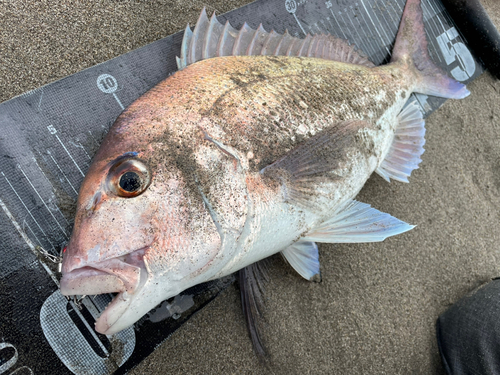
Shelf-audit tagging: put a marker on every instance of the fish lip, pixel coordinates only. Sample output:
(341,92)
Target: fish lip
(117,274)
(105,323)
(125,275)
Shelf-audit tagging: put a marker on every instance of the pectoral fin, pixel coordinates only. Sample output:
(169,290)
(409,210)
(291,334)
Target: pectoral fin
(357,222)
(303,256)
(407,146)
(302,170)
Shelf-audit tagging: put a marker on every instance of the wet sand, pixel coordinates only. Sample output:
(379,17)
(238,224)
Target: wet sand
(376,307)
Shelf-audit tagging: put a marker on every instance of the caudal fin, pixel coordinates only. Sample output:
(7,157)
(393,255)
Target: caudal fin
(411,46)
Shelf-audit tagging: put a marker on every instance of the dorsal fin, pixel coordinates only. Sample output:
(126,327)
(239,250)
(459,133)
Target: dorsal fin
(212,39)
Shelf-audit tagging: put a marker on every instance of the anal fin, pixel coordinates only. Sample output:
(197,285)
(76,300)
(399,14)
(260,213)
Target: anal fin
(407,145)
(357,222)
(303,256)
(251,279)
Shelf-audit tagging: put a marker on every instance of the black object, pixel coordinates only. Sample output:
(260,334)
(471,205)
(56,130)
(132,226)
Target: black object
(475,25)
(468,333)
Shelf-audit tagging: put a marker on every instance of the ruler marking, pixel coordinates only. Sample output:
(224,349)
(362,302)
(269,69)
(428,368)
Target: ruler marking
(29,212)
(48,209)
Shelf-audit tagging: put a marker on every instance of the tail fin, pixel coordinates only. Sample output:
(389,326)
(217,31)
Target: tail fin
(411,45)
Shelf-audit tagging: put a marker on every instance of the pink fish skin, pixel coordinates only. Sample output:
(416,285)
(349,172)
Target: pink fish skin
(233,159)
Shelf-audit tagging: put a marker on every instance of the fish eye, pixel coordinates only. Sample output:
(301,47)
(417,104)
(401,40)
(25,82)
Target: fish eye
(130,182)
(128,178)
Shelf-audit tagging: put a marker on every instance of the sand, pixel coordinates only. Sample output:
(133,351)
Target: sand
(376,307)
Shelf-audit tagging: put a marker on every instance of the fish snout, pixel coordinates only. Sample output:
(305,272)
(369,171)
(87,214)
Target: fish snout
(70,260)
(116,275)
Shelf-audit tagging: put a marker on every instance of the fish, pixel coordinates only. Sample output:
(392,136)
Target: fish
(257,145)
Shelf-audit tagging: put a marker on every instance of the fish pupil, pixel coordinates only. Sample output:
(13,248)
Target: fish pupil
(130,182)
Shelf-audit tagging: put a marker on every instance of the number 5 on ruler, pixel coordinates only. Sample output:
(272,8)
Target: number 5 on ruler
(453,51)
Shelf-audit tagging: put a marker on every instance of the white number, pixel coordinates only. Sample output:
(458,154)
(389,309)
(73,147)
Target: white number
(453,51)
(291,6)
(107,83)
(25,370)
(11,362)
(52,130)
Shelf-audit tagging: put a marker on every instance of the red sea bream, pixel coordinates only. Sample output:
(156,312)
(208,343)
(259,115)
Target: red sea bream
(257,145)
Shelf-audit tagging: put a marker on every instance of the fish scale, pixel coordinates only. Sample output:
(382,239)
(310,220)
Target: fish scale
(297,92)
(236,158)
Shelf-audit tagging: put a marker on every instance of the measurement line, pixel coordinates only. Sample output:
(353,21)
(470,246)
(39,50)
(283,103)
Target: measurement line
(69,182)
(394,23)
(355,29)
(40,101)
(29,212)
(50,211)
(389,31)
(375,27)
(119,102)
(330,22)
(79,145)
(389,41)
(373,45)
(458,55)
(327,30)
(425,5)
(93,139)
(317,27)
(65,149)
(400,9)
(365,38)
(447,16)
(34,159)
(296,19)
(27,240)
(437,32)
(31,230)
(340,28)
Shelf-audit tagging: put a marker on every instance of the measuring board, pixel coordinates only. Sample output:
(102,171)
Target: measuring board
(49,136)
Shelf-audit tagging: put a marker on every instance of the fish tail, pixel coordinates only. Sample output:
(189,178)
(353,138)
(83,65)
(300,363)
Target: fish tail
(411,48)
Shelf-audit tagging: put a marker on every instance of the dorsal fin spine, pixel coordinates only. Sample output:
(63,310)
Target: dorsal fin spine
(322,47)
(206,46)
(186,40)
(250,50)
(276,50)
(238,40)
(200,25)
(222,40)
(212,39)
(307,40)
(313,43)
(289,51)
(265,46)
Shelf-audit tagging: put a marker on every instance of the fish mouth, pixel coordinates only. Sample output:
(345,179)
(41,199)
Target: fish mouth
(125,275)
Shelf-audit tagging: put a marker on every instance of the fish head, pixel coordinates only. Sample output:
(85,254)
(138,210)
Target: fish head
(141,230)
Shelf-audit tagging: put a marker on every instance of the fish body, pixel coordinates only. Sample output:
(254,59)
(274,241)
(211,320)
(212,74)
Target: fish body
(235,158)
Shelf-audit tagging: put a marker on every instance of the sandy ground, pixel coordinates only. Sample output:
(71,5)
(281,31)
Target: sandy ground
(376,307)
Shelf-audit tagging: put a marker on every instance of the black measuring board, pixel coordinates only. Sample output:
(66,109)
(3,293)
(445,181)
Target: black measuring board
(49,136)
